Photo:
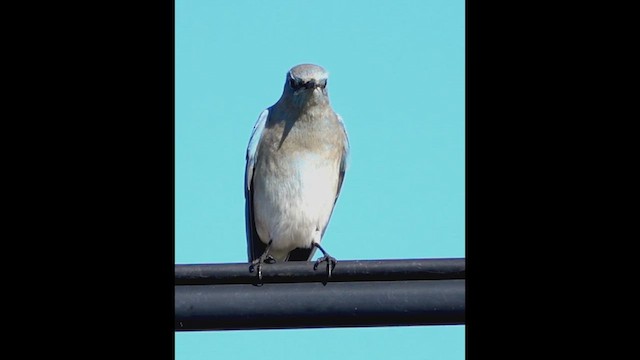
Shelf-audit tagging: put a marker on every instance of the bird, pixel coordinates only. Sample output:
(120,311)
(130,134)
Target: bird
(296,160)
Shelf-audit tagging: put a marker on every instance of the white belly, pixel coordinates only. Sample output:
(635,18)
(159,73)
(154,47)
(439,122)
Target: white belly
(292,208)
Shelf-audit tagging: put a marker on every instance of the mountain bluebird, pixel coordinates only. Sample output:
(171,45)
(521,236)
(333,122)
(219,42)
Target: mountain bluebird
(296,160)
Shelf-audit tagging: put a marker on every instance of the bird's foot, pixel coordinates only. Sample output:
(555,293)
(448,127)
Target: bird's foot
(257,264)
(331,263)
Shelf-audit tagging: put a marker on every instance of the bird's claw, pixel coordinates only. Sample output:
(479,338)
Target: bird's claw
(257,264)
(331,263)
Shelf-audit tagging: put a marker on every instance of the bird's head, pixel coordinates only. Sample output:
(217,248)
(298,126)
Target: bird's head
(307,84)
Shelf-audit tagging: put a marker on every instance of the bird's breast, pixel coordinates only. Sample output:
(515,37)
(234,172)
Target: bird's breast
(294,195)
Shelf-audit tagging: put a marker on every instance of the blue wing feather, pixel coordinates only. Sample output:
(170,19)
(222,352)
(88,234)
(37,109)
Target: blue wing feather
(344,161)
(255,247)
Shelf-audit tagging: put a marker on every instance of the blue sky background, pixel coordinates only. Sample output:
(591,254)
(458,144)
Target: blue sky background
(396,76)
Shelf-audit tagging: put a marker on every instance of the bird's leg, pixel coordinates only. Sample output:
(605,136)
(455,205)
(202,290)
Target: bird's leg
(264,258)
(331,261)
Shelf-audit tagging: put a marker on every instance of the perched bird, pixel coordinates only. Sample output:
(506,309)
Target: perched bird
(296,161)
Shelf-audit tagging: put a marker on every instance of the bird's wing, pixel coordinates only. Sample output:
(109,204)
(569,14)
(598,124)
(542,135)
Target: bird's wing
(302,254)
(344,160)
(255,247)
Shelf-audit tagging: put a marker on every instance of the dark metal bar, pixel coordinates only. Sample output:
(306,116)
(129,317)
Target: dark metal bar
(302,271)
(312,304)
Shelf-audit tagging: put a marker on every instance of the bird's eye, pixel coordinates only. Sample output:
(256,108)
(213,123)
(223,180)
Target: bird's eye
(295,85)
